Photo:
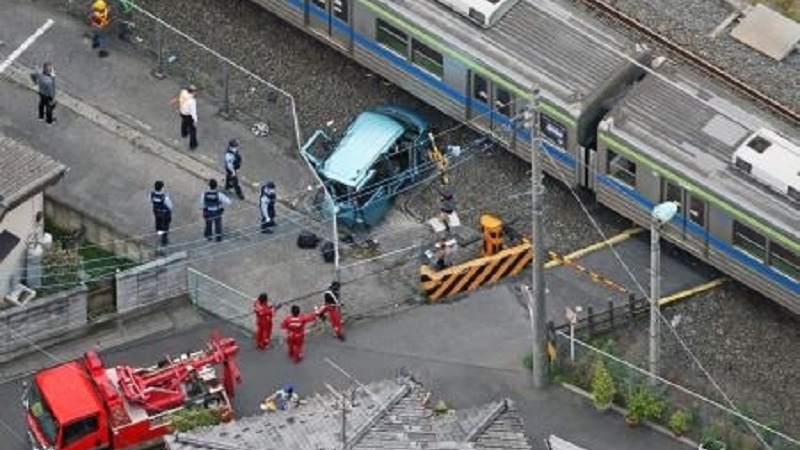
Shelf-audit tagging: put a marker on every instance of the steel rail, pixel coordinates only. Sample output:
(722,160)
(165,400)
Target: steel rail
(710,69)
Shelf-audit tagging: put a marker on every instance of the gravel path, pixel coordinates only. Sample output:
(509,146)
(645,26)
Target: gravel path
(728,327)
(748,344)
(689,23)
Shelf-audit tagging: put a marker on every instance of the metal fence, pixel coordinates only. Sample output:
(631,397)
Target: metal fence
(236,91)
(710,415)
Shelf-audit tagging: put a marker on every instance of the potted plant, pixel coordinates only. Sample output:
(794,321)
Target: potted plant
(710,441)
(679,422)
(603,389)
(643,405)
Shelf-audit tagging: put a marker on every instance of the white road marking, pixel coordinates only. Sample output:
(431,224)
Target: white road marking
(24,46)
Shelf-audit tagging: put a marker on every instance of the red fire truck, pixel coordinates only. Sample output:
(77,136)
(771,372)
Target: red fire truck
(83,405)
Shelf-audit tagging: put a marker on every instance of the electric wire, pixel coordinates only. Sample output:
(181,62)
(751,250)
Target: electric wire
(640,287)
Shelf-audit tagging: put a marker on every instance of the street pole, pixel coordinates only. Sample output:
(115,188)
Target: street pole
(655,293)
(539,319)
(336,269)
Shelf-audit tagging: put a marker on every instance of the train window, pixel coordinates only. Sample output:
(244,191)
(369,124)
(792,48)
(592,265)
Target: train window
(552,130)
(697,211)
(621,168)
(391,37)
(747,239)
(321,4)
(427,58)
(784,260)
(673,193)
(480,88)
(339,8)
(502,102)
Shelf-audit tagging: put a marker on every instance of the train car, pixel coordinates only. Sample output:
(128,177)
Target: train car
(483,72)
(735,173)
(486,77)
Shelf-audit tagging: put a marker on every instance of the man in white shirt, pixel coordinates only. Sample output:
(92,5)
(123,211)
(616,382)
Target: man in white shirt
(187,107)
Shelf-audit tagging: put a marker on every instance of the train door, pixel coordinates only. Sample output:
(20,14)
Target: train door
(588,169)
(491,108)
(331,19)
(480,99)
(693,211)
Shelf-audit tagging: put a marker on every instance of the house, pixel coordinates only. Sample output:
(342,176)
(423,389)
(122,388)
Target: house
(24,175)
(390,414)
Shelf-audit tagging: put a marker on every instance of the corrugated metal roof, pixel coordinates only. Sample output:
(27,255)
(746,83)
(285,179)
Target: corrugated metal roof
(24,171)
(396,418)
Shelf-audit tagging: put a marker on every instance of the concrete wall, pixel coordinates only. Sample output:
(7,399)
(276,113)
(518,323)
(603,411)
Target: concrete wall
(97,231)
(41,322)
(20,221)
(151,283)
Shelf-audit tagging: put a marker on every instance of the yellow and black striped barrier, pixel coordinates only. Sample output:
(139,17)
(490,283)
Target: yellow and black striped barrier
(473,274)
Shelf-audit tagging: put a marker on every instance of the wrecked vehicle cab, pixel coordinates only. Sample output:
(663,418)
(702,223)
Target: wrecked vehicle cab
(382,151)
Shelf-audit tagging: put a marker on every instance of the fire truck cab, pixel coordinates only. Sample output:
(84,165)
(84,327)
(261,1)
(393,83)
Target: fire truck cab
(64,411)
(82,405)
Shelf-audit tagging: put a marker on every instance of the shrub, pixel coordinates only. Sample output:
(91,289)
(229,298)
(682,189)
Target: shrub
(603,388)
(679,422)
(644,405)
(191,418)
(710,440)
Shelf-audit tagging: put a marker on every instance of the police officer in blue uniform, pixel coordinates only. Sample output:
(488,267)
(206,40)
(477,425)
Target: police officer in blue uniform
(233,162)
(212,204)
(266,205)
(162,211)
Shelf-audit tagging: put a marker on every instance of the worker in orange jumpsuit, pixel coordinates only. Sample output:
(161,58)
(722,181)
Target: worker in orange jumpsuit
(333,309)
(295,327)
(264,312)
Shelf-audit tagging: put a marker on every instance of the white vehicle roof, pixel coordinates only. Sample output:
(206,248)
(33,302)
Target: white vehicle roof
(483,12)
(771,159)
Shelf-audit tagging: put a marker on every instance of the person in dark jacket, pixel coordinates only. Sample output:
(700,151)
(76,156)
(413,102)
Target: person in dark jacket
(212,203)
(162,211)
(46,81)
(233,162)
(267,206)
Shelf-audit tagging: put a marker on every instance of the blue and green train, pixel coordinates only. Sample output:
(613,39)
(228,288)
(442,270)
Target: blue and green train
(614,119)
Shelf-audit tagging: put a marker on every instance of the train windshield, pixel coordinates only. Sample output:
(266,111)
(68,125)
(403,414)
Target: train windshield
(42,414)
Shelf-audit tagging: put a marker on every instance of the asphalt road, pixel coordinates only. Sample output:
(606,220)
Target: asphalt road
(466,353)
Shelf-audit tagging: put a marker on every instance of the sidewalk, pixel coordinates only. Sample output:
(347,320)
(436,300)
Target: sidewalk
(118,133)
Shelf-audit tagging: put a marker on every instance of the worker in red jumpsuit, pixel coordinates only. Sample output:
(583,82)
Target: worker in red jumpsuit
(333,309)
(295,327)
(264,312)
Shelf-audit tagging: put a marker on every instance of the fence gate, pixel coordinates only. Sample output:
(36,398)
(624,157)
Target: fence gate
(219,299)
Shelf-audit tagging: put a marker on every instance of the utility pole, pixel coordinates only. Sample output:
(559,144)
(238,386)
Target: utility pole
(538,311)
(655,293)
(661,214)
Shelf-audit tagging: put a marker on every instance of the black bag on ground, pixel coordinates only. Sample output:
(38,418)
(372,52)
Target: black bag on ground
(307,239)
(327,252)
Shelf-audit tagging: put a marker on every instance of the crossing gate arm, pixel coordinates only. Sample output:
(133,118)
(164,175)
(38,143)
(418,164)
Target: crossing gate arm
(468,276)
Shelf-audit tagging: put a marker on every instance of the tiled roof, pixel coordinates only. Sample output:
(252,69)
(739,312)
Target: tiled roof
(24,172)
(395,416)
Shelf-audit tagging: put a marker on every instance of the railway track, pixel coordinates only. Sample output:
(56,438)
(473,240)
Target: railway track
(777,107)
